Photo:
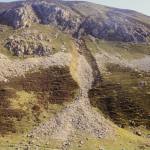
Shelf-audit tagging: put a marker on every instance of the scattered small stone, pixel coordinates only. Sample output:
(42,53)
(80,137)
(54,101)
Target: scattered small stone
(101,148)
(65,143)
(99,136)
(29,135)
(140,75)
(81,142)
(138,133)
(148,93)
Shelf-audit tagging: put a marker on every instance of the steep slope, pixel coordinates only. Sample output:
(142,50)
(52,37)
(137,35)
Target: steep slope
(102,22)
(74,75)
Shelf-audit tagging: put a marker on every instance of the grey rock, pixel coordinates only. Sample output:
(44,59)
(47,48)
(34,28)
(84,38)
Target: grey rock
(115,28)
(138,133)
(19,46)
(54,14)
(18,17)
(81,142)
(117,25)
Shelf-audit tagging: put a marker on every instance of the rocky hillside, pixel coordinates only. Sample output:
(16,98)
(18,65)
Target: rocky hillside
(74,76)
(75,17)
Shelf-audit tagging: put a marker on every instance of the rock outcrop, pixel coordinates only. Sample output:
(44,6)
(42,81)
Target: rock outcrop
(22,16)
(28,44)
(56,15)
(110,24)
(116,27)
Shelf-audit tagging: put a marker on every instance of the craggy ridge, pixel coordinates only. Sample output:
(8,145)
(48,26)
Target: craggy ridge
(108,24)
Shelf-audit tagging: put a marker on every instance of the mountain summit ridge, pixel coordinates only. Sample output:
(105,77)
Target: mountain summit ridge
(81,18)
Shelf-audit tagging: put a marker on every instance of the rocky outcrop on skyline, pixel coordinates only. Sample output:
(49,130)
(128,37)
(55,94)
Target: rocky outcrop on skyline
(110,24)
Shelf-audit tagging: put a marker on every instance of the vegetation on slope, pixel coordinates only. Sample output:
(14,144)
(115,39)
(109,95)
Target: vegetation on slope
(38,40)
(26,101)
(123,96)
(122,140)
(128,51)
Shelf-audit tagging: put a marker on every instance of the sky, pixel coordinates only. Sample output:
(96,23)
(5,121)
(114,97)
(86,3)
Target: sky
(142,6)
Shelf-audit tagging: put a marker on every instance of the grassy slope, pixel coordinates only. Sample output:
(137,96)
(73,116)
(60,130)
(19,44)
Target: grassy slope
(123,139)
(128,78)
(127,51)
(25,99)
(129,82)
(32,100)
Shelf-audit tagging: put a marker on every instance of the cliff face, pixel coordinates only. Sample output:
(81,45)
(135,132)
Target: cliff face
(56,15)
(100,22)
(19,17)
(117,27)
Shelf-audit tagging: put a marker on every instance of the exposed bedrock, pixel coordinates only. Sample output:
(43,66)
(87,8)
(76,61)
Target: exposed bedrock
(112,24)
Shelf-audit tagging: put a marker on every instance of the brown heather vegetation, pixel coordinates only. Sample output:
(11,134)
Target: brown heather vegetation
(50,86)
